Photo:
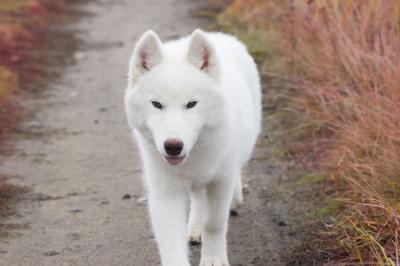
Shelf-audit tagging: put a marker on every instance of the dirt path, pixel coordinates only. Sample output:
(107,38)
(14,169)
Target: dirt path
(77,157)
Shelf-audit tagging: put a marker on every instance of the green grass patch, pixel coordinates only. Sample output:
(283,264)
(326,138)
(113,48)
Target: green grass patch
(8,82)
(256,40)
(312,182)
(331,208)
(312,178)
(257,43)
(12,7)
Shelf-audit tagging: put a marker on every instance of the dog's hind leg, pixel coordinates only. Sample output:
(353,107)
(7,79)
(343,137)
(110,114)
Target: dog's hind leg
(237,199)
(197,214)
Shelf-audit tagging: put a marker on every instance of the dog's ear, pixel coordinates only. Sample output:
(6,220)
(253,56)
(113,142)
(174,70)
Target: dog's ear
(146,55)
(202,53)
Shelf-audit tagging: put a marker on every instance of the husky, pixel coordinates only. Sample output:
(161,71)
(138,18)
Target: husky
(194,106)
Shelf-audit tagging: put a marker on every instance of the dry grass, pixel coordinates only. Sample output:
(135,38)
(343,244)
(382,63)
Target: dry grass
(23,25)
(343,59)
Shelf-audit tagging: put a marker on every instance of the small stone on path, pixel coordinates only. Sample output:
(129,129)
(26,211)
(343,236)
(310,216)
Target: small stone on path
(126,196)
(51,253)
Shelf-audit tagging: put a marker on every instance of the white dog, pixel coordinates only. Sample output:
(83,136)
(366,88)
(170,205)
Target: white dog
(194,105)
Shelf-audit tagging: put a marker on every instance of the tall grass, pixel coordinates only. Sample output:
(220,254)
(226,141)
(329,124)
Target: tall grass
(23,26)
(344,62)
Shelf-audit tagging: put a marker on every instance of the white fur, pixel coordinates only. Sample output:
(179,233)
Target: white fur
(219,133)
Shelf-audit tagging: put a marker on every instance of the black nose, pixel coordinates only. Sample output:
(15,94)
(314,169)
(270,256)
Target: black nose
(173,146)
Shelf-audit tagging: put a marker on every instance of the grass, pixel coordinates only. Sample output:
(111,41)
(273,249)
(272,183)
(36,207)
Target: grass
(8,82)
(15,39)
(310,179)
(341,61)
(255,40)
(11,7)
(332,207)
(24,31)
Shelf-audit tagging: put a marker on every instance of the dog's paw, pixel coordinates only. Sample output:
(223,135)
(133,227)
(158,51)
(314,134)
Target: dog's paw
(194,236)
(213,261)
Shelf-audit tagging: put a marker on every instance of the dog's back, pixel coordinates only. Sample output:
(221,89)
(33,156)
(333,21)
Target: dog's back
(240,80)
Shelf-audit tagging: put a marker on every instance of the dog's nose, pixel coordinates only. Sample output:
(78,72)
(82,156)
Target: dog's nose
(173,146)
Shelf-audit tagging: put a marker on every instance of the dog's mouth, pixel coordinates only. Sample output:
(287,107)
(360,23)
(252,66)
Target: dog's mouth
(175,160)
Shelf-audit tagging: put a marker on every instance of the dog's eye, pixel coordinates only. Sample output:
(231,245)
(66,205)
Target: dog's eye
(191,104)
(157,105)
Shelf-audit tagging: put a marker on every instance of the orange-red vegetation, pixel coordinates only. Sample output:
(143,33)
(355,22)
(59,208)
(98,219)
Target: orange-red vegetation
(21,25)
(343,62)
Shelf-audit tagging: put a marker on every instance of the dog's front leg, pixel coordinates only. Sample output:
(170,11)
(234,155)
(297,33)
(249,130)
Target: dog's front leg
(214,248)
(167,210)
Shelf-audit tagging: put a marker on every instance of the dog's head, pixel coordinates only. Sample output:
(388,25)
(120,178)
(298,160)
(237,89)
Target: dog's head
(172,96)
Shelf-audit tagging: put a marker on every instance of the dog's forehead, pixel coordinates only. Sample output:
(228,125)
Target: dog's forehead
(175,82)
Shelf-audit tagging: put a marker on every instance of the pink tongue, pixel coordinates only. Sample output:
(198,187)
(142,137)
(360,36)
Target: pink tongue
(175,161)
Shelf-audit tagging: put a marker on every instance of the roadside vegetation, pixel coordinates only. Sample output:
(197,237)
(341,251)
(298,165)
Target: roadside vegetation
(339,63)
(24,30)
